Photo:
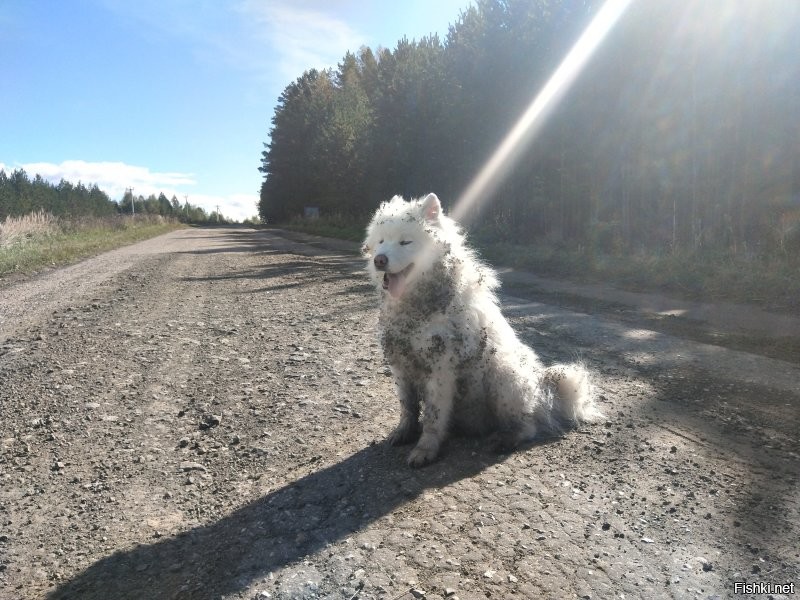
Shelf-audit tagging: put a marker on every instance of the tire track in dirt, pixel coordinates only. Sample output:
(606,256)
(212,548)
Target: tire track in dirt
(31,300)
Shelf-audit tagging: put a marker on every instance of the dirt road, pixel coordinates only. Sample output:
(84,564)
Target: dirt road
(202,416)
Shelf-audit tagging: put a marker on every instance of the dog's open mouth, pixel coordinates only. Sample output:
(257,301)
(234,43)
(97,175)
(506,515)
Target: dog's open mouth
(395,283)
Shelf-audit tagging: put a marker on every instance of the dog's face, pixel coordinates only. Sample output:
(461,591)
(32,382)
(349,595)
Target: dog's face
(400,243)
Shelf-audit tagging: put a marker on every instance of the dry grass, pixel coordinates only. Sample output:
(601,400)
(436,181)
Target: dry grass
(15,230)
(39,240)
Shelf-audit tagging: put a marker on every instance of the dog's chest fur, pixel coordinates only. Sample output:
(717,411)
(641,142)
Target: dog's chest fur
(419,330)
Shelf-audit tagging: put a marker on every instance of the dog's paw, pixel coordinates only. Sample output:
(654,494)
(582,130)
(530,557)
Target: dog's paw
(405,433)
(422,455)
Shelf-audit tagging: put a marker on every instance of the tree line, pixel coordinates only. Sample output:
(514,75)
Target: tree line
(21,195)
(681,134)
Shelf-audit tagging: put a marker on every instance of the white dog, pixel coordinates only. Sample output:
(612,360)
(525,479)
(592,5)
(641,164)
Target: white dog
(454,356)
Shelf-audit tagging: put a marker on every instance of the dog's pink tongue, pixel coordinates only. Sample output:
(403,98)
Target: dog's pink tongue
(396,285)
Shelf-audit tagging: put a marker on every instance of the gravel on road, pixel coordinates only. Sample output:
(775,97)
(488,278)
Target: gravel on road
(203,415)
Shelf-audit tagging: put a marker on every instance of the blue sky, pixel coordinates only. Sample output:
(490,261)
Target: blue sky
(173,95)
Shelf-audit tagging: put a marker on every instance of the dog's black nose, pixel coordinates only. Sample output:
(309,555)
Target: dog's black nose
(381,262)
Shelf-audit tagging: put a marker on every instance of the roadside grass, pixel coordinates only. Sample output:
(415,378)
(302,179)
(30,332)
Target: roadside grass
(14,230)
(772,282)
(334,227)
(39,240)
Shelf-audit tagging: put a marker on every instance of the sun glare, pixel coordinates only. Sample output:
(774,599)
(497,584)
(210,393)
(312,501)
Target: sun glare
(524,131)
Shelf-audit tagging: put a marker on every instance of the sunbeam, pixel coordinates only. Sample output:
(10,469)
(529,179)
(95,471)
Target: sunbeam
(524,131)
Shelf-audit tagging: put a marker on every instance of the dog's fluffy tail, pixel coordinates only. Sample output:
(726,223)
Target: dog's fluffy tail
(573,394)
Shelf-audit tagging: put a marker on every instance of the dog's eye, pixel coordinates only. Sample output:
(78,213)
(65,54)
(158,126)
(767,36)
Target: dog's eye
(380,242)
(404,243)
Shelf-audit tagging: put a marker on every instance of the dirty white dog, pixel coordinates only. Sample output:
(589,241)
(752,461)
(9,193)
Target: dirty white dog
(455,358)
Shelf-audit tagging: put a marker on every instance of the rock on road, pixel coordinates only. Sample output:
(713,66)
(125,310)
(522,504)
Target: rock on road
(203,415)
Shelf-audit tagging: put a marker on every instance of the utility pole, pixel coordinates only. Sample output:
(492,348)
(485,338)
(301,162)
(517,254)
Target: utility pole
(133,205)
(186,205)
(217,213)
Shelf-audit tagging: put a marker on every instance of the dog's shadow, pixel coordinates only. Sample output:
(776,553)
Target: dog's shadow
(284,526)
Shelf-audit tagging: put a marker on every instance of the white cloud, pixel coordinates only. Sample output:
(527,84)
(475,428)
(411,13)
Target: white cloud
(233,206)
(266,37)
(111,177)
(115,177)
(302,38)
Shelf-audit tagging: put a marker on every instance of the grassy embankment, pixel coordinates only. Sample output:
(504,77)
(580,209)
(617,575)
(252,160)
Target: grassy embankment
(772,282)
(38,240)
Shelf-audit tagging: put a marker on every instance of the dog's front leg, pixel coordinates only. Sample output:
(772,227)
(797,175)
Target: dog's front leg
(438,404)
(408,429)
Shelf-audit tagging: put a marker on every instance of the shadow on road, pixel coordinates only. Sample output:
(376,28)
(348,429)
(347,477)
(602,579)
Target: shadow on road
(732,412)
(755,427)
(274,242)
(298,519)
(309,271)
(331,503)
(307,264)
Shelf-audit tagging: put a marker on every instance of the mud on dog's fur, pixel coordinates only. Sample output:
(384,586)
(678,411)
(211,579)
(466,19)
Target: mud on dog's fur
(456,361)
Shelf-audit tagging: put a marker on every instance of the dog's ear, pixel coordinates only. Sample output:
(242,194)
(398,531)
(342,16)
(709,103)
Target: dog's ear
(431,208)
